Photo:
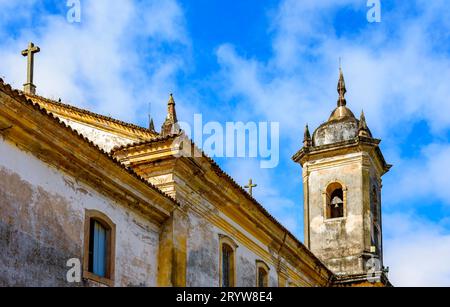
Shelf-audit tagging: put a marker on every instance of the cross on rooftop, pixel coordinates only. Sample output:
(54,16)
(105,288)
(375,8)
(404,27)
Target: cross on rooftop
(29,87)
(250,187)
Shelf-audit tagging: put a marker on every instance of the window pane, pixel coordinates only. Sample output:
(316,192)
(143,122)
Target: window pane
(262,278)
(226,266)
(99,250)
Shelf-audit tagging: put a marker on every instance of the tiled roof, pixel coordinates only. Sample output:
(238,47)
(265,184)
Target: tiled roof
(19,96)
(86,112)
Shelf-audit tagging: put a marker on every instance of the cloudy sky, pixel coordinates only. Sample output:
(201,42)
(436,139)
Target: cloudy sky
(276,61)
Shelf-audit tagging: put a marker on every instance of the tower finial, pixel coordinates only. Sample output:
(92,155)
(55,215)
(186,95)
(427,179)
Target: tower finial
(171,99)
(170,125)
(307,142)
(341,88)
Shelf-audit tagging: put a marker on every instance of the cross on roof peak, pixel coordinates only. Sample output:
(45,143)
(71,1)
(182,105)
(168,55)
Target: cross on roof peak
(29,87)
(250,186)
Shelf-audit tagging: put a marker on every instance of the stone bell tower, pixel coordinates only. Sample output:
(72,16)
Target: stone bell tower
(342,169)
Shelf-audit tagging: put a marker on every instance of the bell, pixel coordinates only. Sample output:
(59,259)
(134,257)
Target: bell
(337,201)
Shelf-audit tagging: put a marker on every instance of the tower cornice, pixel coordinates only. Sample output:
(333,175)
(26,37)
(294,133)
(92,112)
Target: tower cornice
(358,144)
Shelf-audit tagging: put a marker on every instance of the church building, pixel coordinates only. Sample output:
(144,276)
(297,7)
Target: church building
(89,200)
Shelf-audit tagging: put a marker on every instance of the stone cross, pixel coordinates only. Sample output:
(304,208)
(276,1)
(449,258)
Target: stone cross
(250,187)
(29,87)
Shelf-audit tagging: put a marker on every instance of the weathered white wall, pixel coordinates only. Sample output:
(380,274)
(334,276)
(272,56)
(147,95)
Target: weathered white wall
(203,252)
(338,242)
(42,225)
(105,140)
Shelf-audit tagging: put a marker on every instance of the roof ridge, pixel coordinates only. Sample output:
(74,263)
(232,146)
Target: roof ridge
(20,95)
(159,138)
(86,112)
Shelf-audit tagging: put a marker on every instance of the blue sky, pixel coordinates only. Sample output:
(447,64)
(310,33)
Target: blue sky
(274,60)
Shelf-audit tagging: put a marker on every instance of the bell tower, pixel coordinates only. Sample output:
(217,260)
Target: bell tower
(342,169)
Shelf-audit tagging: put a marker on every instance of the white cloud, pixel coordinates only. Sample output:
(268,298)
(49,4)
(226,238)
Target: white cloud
(417,251)
(424,179)
(113,62)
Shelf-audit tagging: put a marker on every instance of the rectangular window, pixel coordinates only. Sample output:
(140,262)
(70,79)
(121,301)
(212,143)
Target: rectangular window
(262,276)
(226,266)
(98,249)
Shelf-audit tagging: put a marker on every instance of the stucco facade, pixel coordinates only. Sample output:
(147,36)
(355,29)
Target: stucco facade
(42,218)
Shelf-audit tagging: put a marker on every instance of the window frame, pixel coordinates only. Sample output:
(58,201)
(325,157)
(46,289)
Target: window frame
(106,222)
(327,194)
(261,265)
(225,240)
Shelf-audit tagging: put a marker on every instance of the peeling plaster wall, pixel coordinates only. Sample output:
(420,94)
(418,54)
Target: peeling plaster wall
(203,252)
(105,140)
(337,242)
(42,225)
(205,227)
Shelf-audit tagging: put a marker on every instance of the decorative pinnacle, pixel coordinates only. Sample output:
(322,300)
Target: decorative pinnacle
(363,129)
(341,89)
(170,125)
(151,125)
(171,112)
(171,99)
(307,137)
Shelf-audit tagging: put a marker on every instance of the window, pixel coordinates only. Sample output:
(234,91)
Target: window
(99,248)
(335,201)
(262,274)
(227,262)
(227,265)
(376,231)
(375,208)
